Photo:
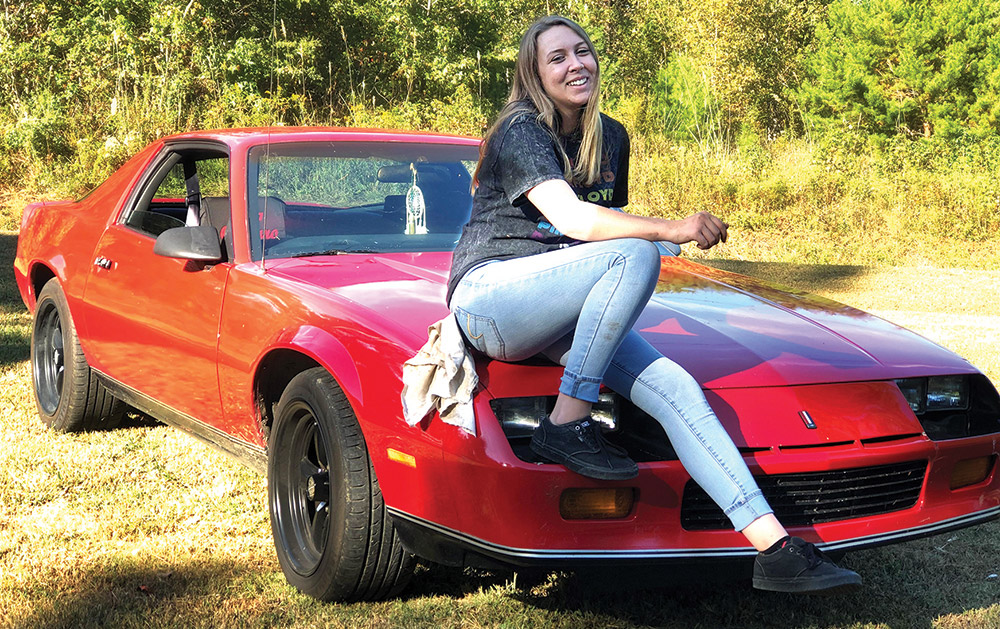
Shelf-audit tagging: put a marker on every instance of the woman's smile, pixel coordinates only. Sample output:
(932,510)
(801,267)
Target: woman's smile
(568,71)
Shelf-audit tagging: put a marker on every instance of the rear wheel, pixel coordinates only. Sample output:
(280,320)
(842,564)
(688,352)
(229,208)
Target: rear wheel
(332,534)
(67,393)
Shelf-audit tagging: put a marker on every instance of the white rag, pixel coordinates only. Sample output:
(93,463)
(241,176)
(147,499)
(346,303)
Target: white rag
(442,377)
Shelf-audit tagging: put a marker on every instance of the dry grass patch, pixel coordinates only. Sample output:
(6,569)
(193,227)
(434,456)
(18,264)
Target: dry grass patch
(785,203)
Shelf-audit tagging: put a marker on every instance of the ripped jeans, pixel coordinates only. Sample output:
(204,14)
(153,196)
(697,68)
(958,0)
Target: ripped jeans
(577,306)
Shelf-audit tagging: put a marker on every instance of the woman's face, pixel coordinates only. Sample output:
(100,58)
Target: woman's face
(568,71)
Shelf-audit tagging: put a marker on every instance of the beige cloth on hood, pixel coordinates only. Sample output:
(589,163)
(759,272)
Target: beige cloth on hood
(442,377)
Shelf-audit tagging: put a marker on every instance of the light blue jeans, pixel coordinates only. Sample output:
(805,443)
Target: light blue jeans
(577,306)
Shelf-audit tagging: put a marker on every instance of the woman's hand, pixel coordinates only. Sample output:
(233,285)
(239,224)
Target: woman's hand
(707,230)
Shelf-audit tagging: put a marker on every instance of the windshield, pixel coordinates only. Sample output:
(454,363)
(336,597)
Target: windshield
(315,198)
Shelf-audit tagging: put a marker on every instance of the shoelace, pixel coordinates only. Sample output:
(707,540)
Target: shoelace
(591,435)
(813,555)
(586,433)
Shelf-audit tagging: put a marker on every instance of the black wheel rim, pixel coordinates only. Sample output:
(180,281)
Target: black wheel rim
(303,500)
(49,358)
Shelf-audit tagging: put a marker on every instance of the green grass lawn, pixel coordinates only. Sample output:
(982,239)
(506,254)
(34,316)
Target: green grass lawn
(146,527)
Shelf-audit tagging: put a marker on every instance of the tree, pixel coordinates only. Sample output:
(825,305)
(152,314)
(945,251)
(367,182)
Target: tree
(910,67)
(750,53)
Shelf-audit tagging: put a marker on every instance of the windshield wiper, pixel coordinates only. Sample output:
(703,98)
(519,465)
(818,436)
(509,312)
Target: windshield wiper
(330,252)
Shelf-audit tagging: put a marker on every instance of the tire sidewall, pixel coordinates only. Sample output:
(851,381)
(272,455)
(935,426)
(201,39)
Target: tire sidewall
(332,577)
(52,296)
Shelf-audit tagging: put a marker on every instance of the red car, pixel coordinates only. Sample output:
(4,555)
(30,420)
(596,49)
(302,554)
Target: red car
(262,288)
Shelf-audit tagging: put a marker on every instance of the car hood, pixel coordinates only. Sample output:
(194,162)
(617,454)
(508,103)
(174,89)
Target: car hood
(727,330)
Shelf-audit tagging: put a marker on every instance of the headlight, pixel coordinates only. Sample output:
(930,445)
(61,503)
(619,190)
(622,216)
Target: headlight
(519,416)
(623,422)
(915,392)
(948,393)
(949,407)
(938,393)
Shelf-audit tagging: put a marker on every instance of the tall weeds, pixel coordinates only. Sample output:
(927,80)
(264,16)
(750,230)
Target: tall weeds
(785,202)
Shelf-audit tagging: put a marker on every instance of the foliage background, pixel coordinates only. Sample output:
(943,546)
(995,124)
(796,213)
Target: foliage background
(843,131)
(850,132)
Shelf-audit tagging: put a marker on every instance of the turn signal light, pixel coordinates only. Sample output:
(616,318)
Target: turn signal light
(401,457)
(971,471)
(596,503)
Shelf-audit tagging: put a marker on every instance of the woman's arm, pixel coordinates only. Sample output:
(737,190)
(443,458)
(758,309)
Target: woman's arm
(578,219)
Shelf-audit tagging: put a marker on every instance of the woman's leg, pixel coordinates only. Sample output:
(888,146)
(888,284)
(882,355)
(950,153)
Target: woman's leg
(667,392)
(592,293)
(671,395)
(514,309)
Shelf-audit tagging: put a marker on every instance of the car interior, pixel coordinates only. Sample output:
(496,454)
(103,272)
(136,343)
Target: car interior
(187,187)
(359,205)
(305,204)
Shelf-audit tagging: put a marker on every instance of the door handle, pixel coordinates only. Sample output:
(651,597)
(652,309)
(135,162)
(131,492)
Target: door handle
(103,262)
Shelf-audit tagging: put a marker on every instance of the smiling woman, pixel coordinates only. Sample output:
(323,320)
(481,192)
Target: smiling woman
(568,71)
(546,236)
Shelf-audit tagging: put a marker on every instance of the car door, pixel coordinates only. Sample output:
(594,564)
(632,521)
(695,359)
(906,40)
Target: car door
(152,322)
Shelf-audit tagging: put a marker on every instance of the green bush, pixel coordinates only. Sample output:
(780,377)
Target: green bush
(750,52)
(87,83)
(685,106)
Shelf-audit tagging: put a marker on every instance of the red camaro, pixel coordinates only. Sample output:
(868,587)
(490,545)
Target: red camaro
(261,289)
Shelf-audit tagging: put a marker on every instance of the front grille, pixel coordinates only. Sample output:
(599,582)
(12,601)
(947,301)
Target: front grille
(808,498)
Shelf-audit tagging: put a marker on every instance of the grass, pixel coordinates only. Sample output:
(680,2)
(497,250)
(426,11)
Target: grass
(784,203)
(146,527)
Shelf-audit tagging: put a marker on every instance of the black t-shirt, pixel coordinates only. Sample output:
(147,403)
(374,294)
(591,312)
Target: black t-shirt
(522,154)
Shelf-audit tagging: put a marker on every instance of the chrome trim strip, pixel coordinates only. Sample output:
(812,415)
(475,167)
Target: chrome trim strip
(519,555)
(495,550)
(248,454)
(960,522)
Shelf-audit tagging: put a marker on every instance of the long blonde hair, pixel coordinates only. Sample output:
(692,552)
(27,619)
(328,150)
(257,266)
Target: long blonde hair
(527,95)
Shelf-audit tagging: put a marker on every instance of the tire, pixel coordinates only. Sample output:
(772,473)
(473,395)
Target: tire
(333,537)
(68,395)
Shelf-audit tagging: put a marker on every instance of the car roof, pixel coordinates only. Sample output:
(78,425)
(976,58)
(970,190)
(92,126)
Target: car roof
(260,135)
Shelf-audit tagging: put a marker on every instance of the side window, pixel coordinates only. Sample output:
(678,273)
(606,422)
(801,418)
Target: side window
(164,202)
(163,208)
(213,174)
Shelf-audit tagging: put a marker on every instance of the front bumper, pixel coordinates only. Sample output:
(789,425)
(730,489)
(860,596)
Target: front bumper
(478,504)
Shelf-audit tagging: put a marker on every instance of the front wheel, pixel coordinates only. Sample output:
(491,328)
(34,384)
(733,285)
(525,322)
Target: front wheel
(67,393)
(332,534)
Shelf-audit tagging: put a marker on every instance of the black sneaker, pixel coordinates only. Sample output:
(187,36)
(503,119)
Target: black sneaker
(580,446)
(798,566)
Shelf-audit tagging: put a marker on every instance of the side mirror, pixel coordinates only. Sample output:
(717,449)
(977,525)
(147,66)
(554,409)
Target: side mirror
(201,243)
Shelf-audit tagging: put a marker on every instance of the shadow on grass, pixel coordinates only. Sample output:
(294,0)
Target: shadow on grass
(14,347)
(813,278)
(913,585)
(129,592)
(10,299)
(15,337)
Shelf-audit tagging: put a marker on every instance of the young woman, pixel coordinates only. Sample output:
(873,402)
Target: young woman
(546,266)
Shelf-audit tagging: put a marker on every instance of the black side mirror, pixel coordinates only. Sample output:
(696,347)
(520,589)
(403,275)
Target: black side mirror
(201,243)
